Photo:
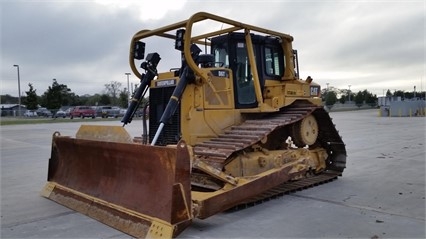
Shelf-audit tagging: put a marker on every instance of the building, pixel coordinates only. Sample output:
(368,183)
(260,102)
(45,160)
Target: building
(11,109)
(395,107)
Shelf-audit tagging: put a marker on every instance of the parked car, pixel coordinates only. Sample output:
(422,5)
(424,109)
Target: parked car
(122,112)
(44,112)
(30,113)
(105,111)
(68,111)
(82,112)
(60,113)
(139,112)
(116,112)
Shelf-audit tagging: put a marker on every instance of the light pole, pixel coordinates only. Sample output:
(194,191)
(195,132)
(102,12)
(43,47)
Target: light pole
(19,91)
(128,86)
(349,93)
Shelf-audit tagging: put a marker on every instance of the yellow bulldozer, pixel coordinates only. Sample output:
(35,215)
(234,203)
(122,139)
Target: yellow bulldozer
(229,127)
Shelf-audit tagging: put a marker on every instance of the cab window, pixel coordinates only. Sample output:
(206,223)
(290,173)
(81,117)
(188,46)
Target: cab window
(274,63)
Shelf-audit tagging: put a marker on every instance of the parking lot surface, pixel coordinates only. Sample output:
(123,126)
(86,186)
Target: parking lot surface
(381,193)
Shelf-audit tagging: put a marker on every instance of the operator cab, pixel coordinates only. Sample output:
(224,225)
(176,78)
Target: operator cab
(231,51)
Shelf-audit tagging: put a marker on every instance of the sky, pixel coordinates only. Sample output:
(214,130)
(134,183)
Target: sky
(372,45)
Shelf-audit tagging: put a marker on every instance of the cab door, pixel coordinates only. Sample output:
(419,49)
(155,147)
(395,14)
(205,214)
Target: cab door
(231,50)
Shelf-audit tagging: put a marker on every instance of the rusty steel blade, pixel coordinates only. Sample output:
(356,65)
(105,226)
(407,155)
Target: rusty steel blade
(141,190)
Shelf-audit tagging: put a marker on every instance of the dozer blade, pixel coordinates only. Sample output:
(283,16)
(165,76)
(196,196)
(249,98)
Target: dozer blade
(141,190)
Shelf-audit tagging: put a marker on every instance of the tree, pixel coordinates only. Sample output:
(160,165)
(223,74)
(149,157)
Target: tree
(113,89)
(124,99)
(83,100)
(330,99)
(350,96)
(342,99)
(359,99)
(57,95)
(104,99)
(399,93)
(388,93)
(365,97)
(371,99)
(8,99)
(31,101)
(70,99)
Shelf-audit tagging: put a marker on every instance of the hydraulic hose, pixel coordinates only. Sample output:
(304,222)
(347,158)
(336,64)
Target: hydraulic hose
(151,72)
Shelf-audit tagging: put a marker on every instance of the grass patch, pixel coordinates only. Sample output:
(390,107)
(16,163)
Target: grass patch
(18,121)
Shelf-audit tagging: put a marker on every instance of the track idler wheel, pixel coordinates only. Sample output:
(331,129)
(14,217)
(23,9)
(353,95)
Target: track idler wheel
(305,131)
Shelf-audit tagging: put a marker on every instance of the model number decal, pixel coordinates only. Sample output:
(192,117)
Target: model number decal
(220,73)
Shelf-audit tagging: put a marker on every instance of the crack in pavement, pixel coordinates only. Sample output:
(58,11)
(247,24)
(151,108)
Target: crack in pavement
(36,219)
(357,206)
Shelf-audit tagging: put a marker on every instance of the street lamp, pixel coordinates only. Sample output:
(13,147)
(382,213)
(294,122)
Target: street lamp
(19,91)
(128,86)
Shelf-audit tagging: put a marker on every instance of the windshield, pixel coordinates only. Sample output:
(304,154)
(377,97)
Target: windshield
(221,55)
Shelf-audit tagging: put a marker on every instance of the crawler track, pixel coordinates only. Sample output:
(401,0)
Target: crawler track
(216,151)
(287,188)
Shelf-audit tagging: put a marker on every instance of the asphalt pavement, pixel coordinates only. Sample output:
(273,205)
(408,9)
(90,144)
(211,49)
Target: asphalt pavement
(381,193)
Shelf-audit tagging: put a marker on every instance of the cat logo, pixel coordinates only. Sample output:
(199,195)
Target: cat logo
(315,90)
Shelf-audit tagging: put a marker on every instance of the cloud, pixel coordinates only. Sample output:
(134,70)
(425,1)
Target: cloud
(153,10)
(75,43)
(85,44)
(367,45)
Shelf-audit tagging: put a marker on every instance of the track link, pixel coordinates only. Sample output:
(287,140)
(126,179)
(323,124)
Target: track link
(217,150)
(287,188)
